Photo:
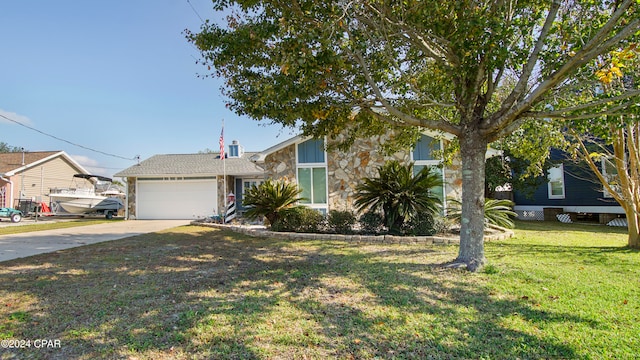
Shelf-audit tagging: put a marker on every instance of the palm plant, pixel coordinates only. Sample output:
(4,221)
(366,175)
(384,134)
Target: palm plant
(399,193)
(270,198)
(496,212)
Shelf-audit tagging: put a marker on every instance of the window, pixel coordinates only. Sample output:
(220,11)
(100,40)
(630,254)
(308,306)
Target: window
(424,155)
(556,182)
(425,148)
(311,151)
(235,150)
(438,191)
(248,183)
(312,174)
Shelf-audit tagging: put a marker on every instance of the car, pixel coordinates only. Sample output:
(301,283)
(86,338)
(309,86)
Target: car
(13,214)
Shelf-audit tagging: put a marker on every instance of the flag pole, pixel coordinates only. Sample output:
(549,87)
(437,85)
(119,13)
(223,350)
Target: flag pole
(224,174)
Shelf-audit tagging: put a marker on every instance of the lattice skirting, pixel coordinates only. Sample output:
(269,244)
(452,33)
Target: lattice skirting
(530,215)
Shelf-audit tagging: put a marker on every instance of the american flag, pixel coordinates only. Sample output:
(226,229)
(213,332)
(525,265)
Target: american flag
(222,144)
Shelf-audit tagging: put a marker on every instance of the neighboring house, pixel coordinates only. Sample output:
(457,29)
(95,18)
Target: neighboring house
(187,186)
(191,185)
(569,188)
(30,175)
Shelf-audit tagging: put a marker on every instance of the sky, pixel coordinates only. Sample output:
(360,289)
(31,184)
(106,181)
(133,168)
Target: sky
(106,81)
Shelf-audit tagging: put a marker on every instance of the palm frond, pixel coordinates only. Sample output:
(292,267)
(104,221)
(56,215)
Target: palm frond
(270,197)
(496,211)
(398,193)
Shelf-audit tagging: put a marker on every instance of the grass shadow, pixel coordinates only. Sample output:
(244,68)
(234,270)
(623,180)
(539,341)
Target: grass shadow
(205,293)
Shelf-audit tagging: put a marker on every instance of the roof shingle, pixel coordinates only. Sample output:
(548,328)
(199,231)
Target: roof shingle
(192,164)
(13,160)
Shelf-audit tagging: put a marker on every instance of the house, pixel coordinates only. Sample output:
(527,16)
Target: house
(329,178)
(569,188)
(188,186)
(28,176)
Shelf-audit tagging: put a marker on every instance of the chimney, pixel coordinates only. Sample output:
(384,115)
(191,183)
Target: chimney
(235,149)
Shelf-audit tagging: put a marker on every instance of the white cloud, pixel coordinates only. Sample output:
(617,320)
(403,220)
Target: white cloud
(13,116)
(92,165)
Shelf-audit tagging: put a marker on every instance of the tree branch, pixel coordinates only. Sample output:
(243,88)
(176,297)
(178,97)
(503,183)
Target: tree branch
(556,113)
(437,50)
(586,155)
(442,125)
(563,116)
(392,110)
(523,81)
(593,48)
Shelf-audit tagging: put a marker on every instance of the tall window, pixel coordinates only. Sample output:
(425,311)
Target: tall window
(312,173)
(556,182)
(425,148)
(424,154)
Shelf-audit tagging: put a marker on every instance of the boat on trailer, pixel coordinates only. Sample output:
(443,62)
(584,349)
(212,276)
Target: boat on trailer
(81,199)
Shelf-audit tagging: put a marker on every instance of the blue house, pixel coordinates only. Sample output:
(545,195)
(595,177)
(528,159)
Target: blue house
(569,188)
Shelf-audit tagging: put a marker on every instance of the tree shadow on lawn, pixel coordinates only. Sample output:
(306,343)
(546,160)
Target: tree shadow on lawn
(556,226)
(587,255)
(206,293)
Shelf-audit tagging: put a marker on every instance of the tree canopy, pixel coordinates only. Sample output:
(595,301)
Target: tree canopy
(476,69)
(5,148)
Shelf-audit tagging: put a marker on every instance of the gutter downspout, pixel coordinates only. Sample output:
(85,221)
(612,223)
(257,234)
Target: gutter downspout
(10,190)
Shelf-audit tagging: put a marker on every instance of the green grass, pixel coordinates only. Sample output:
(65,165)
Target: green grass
(48,225)
(553,291)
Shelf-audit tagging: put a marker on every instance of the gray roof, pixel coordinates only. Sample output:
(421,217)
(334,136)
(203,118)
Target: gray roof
(193,165)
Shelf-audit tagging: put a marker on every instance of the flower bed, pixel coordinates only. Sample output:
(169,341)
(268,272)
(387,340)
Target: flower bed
(493,234)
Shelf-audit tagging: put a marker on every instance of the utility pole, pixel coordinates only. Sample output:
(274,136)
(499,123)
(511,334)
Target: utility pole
(22,176)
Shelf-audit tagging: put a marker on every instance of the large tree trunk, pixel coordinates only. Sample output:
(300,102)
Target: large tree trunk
(472,149)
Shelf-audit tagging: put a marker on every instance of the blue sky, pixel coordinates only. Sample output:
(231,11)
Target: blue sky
(117,77)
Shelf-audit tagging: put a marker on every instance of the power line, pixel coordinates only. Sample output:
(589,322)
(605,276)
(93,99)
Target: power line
(195,11)
(66,141)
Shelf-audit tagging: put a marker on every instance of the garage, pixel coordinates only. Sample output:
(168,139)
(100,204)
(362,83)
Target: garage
(176,199)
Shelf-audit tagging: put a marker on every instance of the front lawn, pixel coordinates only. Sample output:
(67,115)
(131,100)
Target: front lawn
(553,291)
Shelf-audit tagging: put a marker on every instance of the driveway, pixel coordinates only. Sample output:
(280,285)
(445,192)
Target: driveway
(15,246)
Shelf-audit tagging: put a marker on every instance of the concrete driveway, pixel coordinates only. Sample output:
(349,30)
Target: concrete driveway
(27,244)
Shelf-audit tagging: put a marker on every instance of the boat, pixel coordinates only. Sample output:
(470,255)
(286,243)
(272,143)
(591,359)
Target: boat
(85,199)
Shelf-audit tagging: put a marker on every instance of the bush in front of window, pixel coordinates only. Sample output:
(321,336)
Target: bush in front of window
(341,222)
(422,224)
(399,194)
(371,223)
(269,199)
(298,219)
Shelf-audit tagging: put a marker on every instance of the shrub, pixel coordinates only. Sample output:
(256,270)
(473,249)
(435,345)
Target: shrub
(269,199)
(371,222)
(341,222)
(298,219)
(399,193)
(442,225)
(420,225)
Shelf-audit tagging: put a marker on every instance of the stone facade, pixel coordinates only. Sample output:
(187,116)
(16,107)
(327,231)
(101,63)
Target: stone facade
(222,192)
(345,170)
(131,198)
(453,179)
(281,164)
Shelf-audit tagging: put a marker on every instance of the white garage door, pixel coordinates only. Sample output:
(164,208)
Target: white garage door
(186,199)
